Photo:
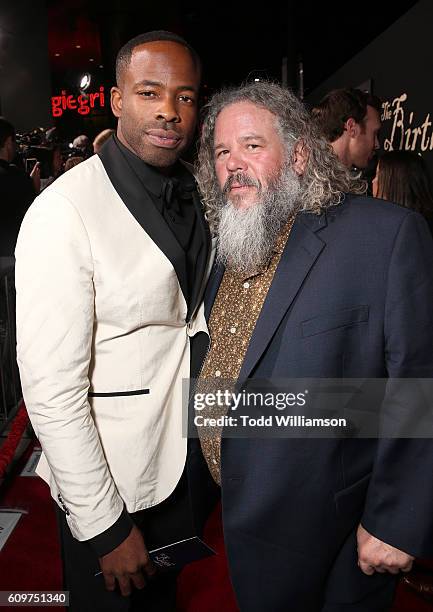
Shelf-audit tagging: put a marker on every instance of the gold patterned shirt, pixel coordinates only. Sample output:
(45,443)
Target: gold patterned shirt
(234,315)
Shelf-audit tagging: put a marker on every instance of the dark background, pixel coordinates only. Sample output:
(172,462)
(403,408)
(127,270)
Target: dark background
(235,40)
(46,45)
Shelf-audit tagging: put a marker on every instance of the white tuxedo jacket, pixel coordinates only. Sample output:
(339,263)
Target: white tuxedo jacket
(103,347)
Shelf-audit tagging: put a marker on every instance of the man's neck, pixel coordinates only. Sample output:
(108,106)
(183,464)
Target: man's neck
(341,150)
(166,171)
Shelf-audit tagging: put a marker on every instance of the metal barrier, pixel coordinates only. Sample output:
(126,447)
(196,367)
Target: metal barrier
(10,387)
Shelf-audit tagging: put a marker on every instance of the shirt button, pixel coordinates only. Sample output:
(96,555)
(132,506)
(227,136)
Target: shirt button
(246,285)
(232,330)
(218,373)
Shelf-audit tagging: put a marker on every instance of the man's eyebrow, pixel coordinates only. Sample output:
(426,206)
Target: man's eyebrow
(149,83)
(253,137)
(245,138)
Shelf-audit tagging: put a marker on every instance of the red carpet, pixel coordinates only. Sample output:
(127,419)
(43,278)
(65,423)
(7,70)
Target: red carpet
(204,586)
(30,560)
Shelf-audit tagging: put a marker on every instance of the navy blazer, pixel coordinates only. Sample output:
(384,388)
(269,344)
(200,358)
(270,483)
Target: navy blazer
(352,297)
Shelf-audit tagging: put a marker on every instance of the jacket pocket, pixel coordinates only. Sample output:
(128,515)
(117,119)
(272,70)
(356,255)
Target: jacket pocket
(351,500)
(119,393)
(334,320)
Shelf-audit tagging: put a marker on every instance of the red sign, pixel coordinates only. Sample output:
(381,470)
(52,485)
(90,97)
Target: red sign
(82,104)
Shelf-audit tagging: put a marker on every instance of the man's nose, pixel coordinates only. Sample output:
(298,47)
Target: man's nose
(236,162)
(168,110)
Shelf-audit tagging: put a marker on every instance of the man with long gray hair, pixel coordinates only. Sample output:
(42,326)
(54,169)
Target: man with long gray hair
(312,281)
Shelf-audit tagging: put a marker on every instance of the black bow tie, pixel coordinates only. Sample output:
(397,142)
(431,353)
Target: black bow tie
(172,191)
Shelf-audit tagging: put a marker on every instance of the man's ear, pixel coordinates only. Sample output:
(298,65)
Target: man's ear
(351,127)
(300,157)
(116,101)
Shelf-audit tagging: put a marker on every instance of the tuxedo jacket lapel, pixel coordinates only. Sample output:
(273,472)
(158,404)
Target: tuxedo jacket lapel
(301,252)
(139,203)
(203,257)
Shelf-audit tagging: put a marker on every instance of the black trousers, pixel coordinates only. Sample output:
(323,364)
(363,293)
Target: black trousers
(163,524)
(168,522)
(378,601)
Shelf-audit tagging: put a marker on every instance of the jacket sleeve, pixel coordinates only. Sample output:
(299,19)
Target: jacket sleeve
(399,505)
(55,319)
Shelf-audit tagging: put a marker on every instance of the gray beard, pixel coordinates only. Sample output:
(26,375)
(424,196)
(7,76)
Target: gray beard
(246,237)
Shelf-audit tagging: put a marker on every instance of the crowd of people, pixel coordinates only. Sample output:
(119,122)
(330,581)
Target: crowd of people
(28,164)
(270,261)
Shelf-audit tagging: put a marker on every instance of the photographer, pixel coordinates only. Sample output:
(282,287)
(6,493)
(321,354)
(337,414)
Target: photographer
(17,192)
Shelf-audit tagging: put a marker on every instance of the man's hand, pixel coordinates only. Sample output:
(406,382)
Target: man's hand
(377,556)
(127,563)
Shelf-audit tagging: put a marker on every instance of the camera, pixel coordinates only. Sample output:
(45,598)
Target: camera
(43,155)
(30,163)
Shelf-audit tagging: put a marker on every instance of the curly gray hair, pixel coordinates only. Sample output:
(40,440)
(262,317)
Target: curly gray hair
(325,179)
